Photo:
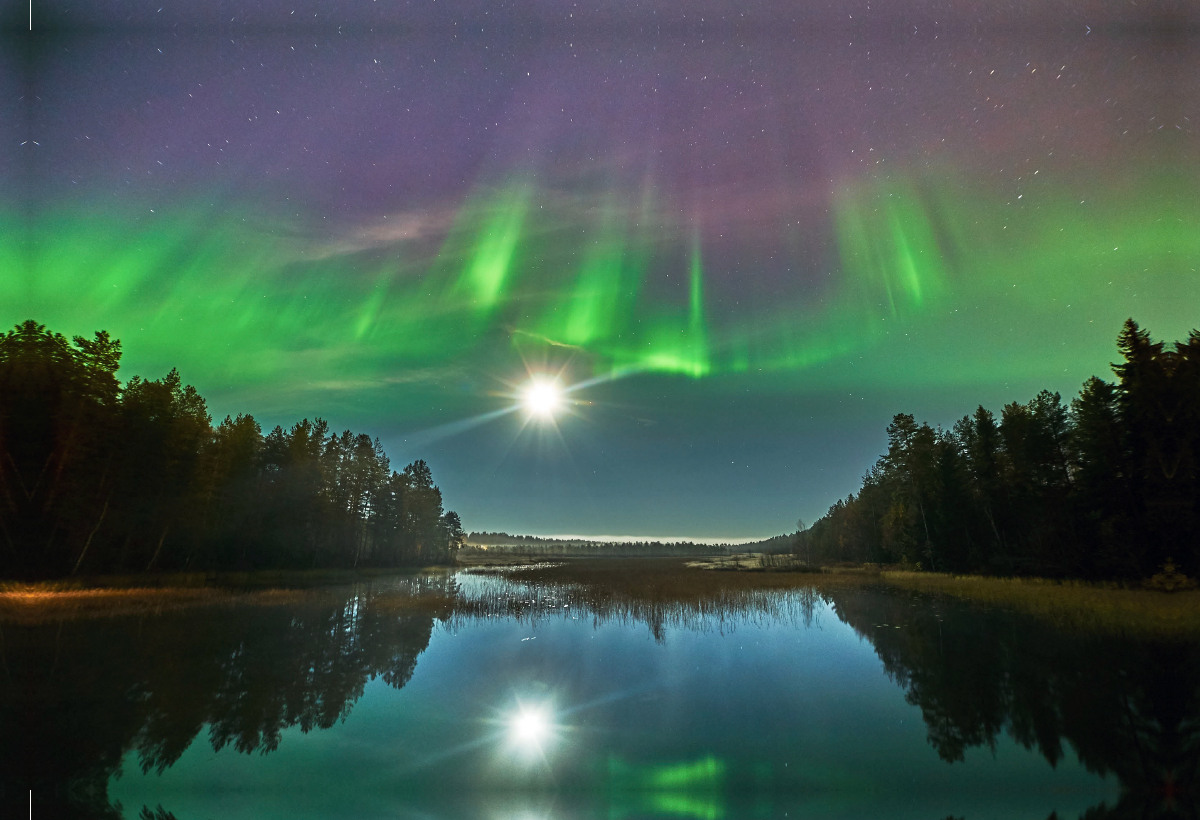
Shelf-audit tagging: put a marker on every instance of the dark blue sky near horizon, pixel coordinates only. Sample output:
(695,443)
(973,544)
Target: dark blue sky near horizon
(745,236)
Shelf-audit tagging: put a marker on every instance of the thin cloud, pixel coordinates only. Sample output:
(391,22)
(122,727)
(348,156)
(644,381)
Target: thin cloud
(388,230)
(429,375)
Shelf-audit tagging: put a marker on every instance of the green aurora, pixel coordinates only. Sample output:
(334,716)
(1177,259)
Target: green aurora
(231,302)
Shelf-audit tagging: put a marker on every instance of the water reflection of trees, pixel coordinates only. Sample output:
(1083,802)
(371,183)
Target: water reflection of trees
(1129,708)
(79,695)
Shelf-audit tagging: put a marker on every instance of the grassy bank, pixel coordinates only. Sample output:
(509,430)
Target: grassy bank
(1069,604)
(31,605)
(674,577)
(658,592)
(111,595)
(1080,605)
(258,579)
(694,585)
(648,588)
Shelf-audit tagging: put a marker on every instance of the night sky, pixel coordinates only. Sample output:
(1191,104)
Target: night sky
(745,237)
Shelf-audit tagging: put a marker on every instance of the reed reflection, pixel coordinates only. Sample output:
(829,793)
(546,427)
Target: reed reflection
(80,696)
(609,592)
(1127,706)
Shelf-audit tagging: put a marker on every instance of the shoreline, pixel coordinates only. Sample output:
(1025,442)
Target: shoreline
(1072,605)
(29,603)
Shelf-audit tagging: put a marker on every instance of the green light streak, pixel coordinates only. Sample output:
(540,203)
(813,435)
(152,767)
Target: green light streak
(681,805)
(604,292)
(706,772)
(593,312)
(368,314)
(963,273)
(696,294)
(670,342)
(925,268)
(667,341)
(494,247)
(14,286)
(887,246)
(690,789)
(601,312)
(216,297)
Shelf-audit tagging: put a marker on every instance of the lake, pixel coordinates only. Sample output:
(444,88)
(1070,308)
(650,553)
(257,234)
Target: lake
(476,694)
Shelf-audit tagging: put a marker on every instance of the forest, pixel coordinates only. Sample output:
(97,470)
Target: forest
(492,543)
(97,477)
(1104,487)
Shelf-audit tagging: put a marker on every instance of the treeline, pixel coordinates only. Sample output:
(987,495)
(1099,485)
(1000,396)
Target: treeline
(487,538)
(776,544)
(1105,487)
(482,543)
(548,548)
(96,476)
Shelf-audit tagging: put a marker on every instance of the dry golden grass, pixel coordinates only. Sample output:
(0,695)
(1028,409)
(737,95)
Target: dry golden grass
(677,589)
(659,592)
(680,578)
(754,562)
(112,595)
(43,603)
(683,588)
(1070,604)
(1077,605)
(258,579)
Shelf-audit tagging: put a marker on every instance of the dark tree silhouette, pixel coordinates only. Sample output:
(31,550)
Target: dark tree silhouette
(1124,706)
(1103,487)
(96,476)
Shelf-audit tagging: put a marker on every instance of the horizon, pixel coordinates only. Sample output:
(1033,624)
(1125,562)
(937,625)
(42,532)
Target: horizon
(632,539)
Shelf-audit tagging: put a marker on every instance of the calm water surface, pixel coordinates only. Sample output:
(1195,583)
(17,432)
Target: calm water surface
(381,700)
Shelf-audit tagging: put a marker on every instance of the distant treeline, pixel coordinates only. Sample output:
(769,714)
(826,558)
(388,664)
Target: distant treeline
(774,545)
(1105,487)
(503,538)
(532,546)
(96,476)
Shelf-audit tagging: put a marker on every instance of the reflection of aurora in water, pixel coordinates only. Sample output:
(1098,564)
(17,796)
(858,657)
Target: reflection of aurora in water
(147,691)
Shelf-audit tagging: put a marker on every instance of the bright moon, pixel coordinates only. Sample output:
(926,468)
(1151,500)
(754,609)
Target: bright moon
(542,399)
(529,727)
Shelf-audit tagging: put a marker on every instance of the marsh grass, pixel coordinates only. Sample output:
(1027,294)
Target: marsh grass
(672,578)
(497,559)
(117,595)
(1073,605)
(37,604)
(685,593)
(657,591)
(754,562)
(660,592)
(258,579)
